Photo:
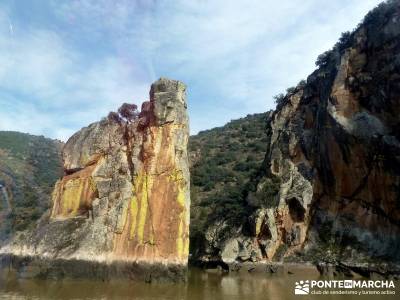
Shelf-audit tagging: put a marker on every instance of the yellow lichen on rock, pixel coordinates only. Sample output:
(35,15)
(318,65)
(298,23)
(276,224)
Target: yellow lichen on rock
(179,240)
(73,195)
(133,216)
(142,184)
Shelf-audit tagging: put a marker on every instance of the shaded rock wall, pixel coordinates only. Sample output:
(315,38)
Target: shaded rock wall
(125,194)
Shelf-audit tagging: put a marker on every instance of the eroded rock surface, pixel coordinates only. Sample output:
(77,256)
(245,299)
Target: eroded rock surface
(125,194)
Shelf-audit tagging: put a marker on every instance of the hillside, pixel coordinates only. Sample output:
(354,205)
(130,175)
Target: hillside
(223,160)
(29,167)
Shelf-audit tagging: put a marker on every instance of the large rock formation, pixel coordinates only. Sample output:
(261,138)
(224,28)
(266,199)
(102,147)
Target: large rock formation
(124,200)
(329,188)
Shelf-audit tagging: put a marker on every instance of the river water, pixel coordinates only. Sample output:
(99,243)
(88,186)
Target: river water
(200,285)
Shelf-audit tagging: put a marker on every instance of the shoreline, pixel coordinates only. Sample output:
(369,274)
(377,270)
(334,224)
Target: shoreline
(36,267)
(338,269)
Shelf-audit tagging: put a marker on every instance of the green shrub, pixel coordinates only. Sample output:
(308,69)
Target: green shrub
(279,99)
(323,59)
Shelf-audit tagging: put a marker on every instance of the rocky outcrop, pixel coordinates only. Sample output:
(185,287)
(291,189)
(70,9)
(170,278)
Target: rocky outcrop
(124,200)
(329,189)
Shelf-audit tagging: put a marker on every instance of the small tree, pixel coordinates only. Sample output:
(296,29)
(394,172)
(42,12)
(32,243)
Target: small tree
(290,90)
(128,111)
(302,83)
(345,38)
(323,59)
(113,116)
(279,99)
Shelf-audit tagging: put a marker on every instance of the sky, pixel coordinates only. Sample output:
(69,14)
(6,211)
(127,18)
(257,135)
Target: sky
(66,64)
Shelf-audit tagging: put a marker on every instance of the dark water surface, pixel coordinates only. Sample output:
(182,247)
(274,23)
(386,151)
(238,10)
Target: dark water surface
(201,285)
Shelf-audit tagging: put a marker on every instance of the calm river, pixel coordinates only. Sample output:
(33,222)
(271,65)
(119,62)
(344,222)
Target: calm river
(201,285)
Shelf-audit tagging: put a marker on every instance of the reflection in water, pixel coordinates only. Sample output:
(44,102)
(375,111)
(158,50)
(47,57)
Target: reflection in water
(200,285)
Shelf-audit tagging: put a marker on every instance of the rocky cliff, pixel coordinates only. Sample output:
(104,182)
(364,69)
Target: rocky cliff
(329,188)
(124,201)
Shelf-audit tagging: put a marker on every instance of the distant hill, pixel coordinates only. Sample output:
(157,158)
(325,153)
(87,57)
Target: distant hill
(29,167)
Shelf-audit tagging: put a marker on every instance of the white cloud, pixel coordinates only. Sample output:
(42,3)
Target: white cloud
(235,55)
(48,87)
(244,51)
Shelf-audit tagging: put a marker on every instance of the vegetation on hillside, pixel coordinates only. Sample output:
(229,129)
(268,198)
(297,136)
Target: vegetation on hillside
(29,167)
(223,160)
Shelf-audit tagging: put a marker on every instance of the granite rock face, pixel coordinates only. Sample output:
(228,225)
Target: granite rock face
(329,188)
(125,194)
